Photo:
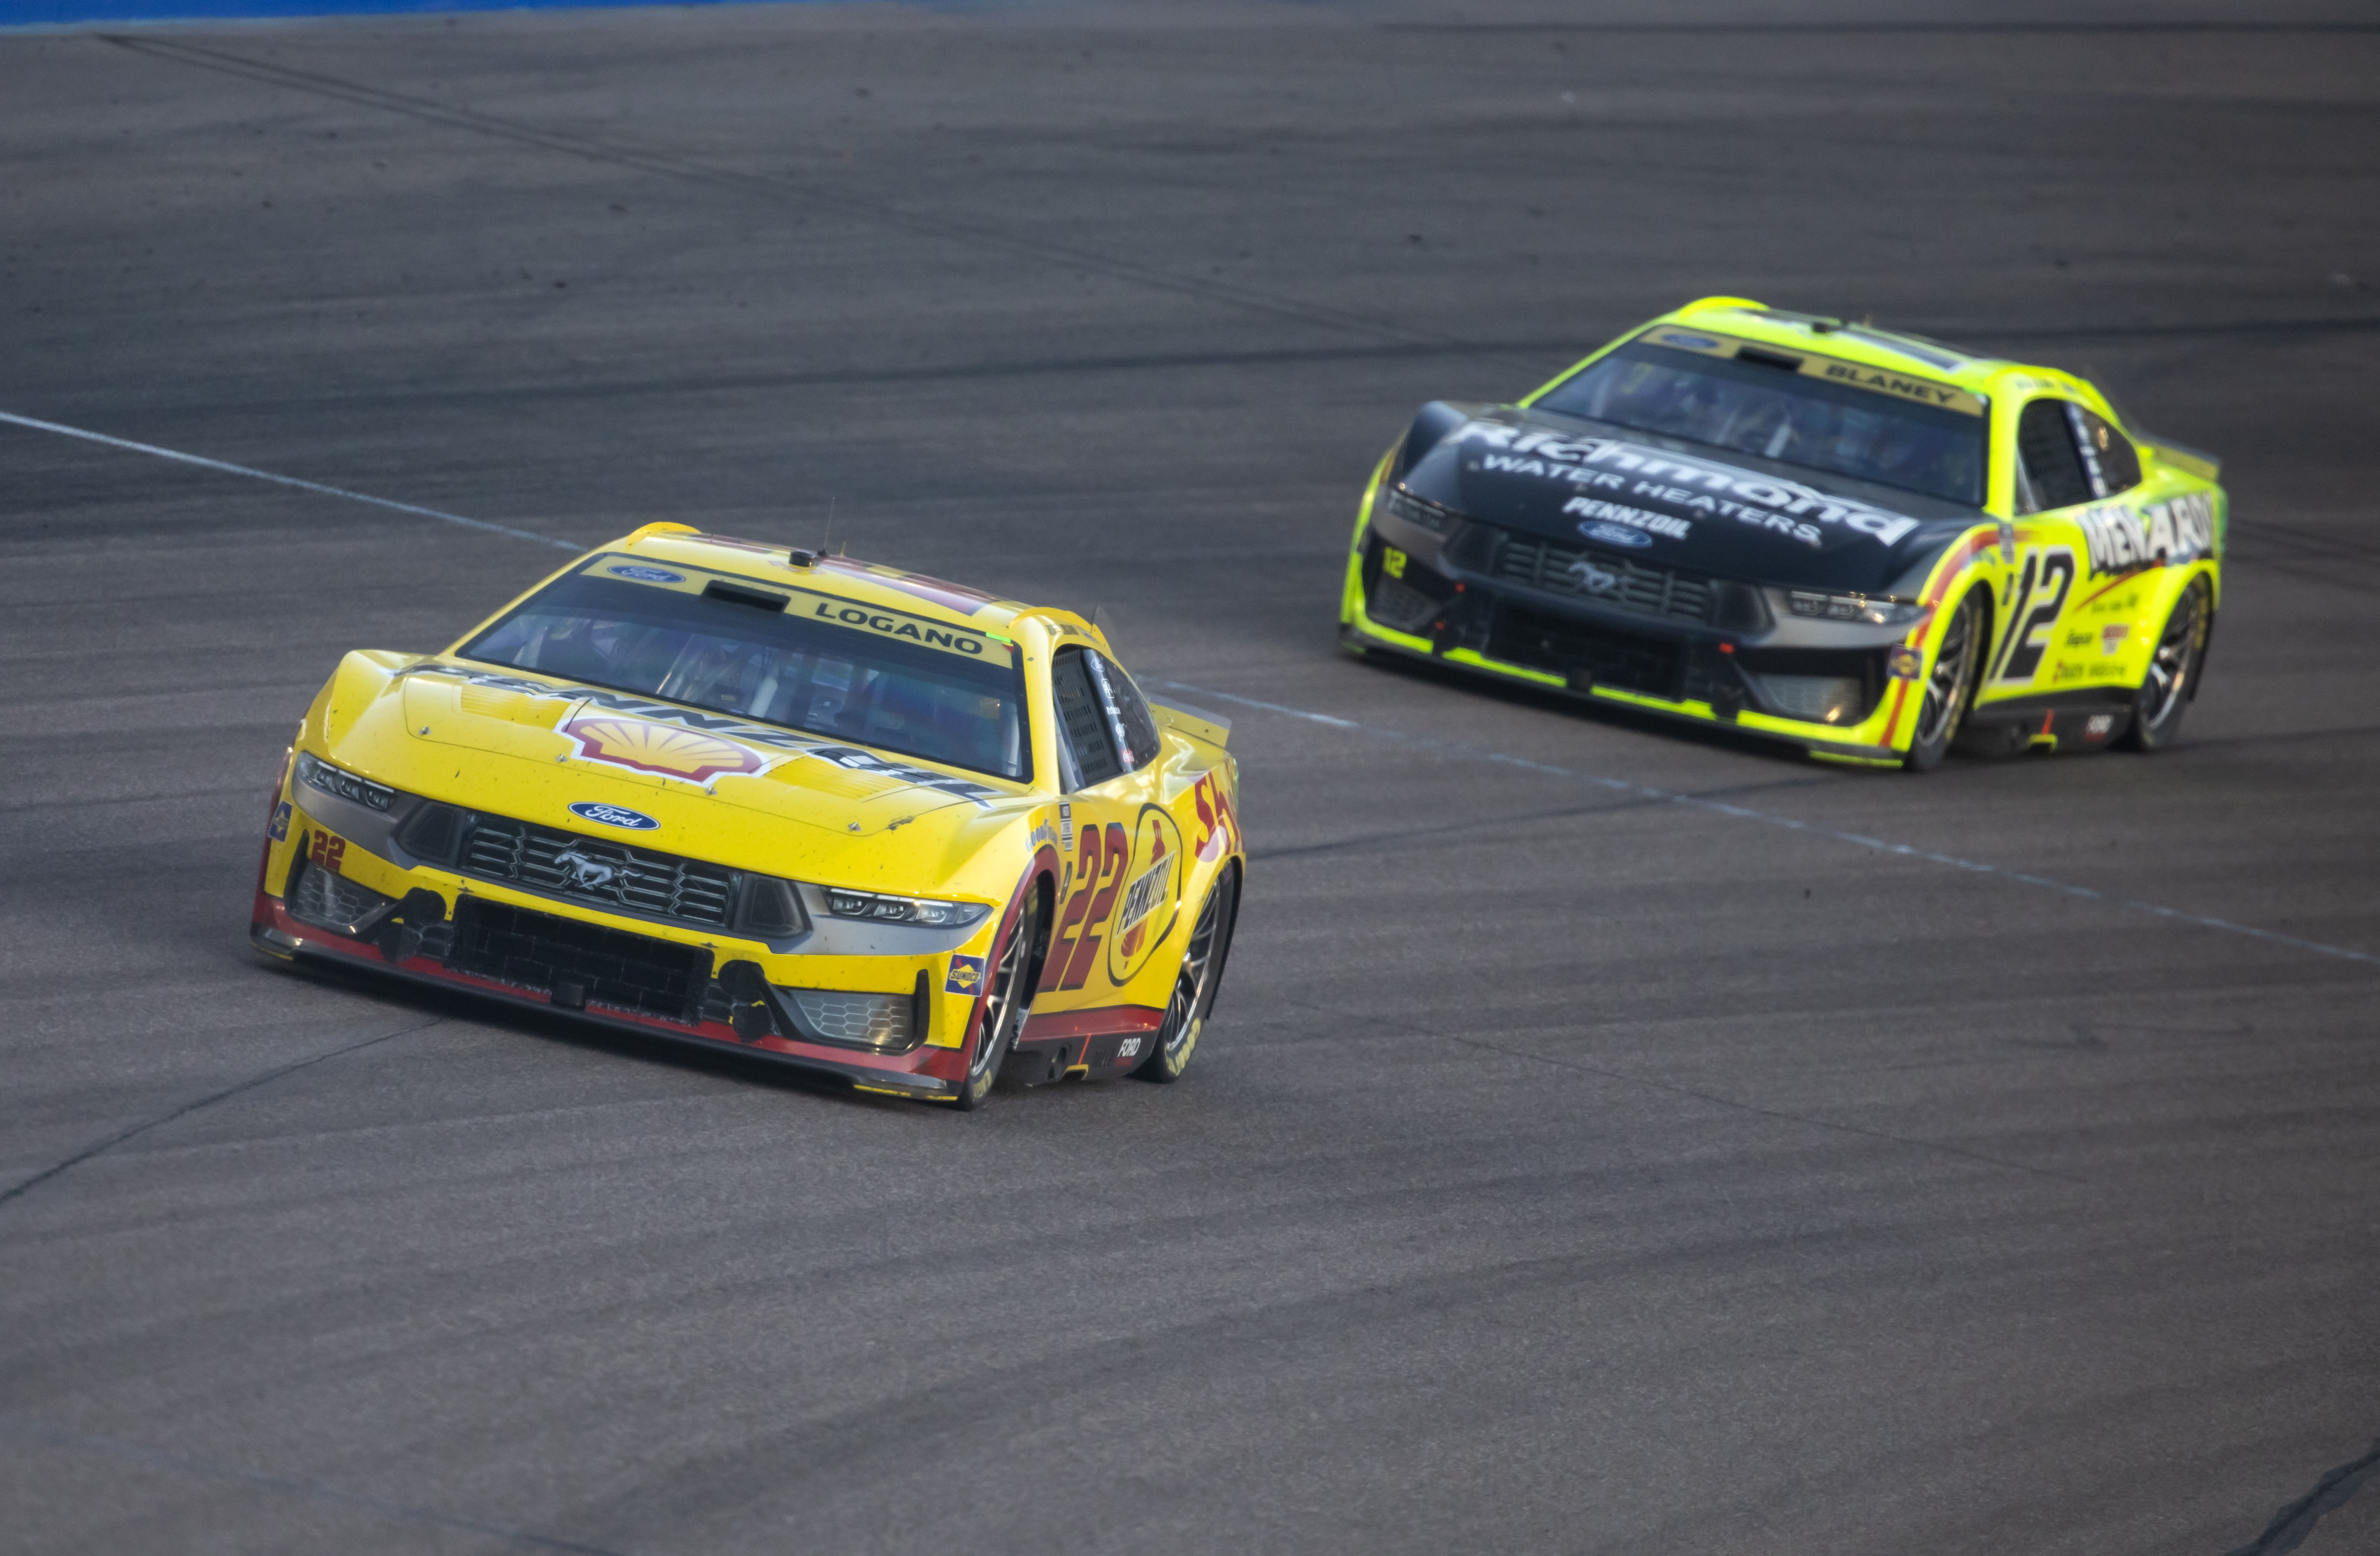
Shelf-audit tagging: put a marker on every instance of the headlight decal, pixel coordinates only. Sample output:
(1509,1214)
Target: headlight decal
(338,783)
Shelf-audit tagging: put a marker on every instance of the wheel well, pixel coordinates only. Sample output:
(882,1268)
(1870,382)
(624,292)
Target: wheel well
(1045,893)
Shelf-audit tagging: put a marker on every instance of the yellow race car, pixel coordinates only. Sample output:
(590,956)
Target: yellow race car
(853,818)
(1858,541)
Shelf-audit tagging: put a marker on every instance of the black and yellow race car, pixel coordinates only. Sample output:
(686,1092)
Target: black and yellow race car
(1861,542)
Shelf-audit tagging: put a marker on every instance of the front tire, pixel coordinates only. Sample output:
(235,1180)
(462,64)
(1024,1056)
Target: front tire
(1949,688)
(1004,1003)
(1200,975)
(2172,679)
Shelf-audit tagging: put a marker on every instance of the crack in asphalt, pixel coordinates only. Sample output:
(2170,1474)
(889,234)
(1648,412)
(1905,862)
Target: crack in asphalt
(112,1142)
(209,1469)
(2292,1524)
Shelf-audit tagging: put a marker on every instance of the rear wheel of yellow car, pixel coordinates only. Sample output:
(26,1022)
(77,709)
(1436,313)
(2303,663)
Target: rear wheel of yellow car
(1949,687)
(2172,678)
(1004,1003)
(1195,983)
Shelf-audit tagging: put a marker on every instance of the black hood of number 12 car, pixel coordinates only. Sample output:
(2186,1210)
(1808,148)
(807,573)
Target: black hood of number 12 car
(1663,501)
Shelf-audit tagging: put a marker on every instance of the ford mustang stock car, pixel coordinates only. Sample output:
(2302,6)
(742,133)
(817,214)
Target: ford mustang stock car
(846,816)
(1861,542)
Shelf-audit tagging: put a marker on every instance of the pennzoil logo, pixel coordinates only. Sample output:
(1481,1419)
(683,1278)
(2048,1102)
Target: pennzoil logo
(642,746)
(1145,916)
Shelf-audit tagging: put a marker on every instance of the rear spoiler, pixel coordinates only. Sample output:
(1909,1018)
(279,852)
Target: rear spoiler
(1197,722)
(2181,456)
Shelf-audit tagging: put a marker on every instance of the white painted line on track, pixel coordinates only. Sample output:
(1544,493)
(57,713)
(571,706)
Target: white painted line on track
(1746,814)
(205,463)
(1475,753)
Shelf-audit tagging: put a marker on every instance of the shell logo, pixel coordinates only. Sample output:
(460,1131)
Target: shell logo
(642,746)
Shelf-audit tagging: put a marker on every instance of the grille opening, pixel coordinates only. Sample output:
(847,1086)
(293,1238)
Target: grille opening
(1602,578)
(884,1022)
(1820,686)
(593,870)
(586,962)
(329,901)
(1585,652)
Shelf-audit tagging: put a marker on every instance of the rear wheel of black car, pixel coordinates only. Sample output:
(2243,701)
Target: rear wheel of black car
(1194,986)
(1949,687)
(1004,1003)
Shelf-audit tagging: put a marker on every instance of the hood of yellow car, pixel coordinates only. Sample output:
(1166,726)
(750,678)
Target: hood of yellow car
(706,785)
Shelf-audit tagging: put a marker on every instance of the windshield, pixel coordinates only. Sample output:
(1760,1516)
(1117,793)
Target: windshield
(1812,411)
(804,660)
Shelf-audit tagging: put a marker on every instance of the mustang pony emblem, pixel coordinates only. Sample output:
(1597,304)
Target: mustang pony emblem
(1592,579)
(586,874)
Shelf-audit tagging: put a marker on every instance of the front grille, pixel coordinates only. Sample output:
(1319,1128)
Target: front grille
(332,901)
(873,1020)
(1602,576)
(578,963)
(1588,653)
(1398,605)
(597,869)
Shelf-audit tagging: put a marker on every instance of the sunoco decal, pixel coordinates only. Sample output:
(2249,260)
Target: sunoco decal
(1145,915)
(1675,480)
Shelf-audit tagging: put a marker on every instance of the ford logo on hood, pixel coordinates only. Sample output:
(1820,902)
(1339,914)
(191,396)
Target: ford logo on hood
(604,815)
(1616,535)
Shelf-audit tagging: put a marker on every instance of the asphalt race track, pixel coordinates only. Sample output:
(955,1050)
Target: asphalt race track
(1611,1139)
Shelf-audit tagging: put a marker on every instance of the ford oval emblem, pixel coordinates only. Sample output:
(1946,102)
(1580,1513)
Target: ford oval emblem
(604,815)
(647,575)
(1616,535)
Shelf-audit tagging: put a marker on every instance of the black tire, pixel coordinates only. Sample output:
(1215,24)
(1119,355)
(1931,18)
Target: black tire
(1004,1002)
(1194,984)
(1949,687)
(2172,679)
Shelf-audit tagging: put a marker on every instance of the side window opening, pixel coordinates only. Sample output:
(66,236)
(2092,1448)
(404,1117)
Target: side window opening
(2109,455)
(1129,721)
(1086,751)
(2052,464)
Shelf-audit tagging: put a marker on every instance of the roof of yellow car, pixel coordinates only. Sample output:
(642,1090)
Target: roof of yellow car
(866,583)
(1874,346)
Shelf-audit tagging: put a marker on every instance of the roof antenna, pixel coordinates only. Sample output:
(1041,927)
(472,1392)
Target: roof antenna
(801,558)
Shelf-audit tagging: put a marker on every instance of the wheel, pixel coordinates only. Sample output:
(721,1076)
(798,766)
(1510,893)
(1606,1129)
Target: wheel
(2165,691)
(1003,1005)
(1949,688)
(1194,985)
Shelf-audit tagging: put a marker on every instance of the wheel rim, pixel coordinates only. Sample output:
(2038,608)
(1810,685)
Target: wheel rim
(1191,981)
(1946,689)
(2169,667)
(1000,1006)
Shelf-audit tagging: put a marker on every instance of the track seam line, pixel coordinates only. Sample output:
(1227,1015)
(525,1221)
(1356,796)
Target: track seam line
(1743,812)
(2292,1525)
(1470,752)
(21,1427)
(60,428)
(112,1142)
